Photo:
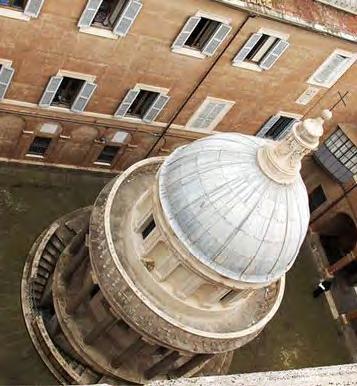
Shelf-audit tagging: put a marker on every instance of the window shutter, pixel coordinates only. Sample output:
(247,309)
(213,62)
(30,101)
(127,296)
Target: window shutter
(208,115)
(268,125)
(274,54)
(126,103)
(6,74)
(50,91)
(216,39)
(155,109)
(286,130)
(83,97)
(248,46)
(89,13)
(126,19)
(186,32)
(330,69)
(33,7)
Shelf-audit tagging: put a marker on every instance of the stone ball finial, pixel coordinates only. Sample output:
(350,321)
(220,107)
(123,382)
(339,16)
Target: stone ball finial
(281,161)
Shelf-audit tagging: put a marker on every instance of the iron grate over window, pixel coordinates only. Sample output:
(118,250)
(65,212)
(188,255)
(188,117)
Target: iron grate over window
(108,154)
(39,146)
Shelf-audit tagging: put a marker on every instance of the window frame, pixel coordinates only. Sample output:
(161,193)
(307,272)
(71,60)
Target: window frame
(228,105)
(335,142)
(320,187)
(69,74)
(284,114)
(104,32)
(104,163)
(195,53)
(351,58)
(19,14)
(248,65)
(138,87)
(50,141)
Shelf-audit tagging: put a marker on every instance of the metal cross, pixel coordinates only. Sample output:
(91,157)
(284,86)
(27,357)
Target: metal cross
(341,99)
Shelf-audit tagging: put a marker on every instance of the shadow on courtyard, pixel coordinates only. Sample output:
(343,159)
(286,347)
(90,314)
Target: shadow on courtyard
(302,334)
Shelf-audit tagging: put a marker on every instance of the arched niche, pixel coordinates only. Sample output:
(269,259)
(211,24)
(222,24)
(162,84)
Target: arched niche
(75,149)
(11,127)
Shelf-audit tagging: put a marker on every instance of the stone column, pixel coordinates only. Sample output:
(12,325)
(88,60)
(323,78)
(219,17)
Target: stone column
(74,262)
(340,264)
(87,285)
(163,366)
(99,328)
(193,362)
(128,353)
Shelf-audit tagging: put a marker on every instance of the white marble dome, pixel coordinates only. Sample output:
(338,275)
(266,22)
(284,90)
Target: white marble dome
(228,213)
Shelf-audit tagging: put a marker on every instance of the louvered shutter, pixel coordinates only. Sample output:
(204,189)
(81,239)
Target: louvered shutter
(330,69)
(50,91)
(286,129)
(126,19)
(89,13)
(33,7)
(216,39)
(248,46)
(208,115)
(186,32)
(268,125)
(274,54)
(83,97)
(6,74)
(126,103)
(155,109)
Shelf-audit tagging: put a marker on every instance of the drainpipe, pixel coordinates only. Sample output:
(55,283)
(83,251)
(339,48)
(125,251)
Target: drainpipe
(203,78)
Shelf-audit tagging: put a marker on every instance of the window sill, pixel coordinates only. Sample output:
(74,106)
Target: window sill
(13,14)
(189,52)
(248,66)
(104,33)
(102,163)
(35,156)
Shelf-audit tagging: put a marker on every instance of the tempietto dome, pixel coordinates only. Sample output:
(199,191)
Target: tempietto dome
(238,203)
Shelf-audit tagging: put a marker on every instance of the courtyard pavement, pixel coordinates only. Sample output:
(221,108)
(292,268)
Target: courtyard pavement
(302,334)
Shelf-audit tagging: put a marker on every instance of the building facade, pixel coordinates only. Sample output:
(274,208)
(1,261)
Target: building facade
(97,85)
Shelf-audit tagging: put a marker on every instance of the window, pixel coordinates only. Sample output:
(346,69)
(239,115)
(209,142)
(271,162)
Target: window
(148,227)
(17,4)
(338,155)
(115,15)
(107,155)
(39,146)
(277,127)
(261,50)
(316,198)
(142,104)
(332,68)
(6,74)
(343,149)
(345,5)
(67,92)
(201,34)
(29,8)
(209,114)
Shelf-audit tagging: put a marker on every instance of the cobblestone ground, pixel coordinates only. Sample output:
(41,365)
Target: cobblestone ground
(302,334)
(30,199)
